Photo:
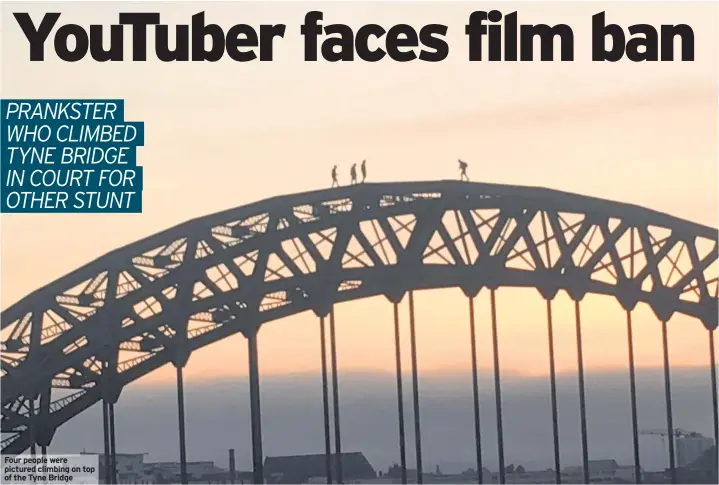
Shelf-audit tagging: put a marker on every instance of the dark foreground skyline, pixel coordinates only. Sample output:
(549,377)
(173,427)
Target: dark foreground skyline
(218,418)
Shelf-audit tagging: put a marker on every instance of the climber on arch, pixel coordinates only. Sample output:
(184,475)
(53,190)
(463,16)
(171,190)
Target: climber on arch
(353,174)
(335,182)
(363,168)
(463,170)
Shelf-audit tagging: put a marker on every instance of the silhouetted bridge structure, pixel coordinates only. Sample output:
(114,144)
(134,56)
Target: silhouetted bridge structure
(66,346)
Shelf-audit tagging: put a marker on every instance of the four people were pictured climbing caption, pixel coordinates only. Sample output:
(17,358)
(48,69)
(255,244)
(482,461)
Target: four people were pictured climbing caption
(363,168)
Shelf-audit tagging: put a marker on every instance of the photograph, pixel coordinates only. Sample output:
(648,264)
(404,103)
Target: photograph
(391,242)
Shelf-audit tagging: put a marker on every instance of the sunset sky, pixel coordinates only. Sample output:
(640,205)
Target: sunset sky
(227,134)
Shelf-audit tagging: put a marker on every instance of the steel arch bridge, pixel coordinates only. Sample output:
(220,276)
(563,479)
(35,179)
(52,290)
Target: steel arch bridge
(83,337)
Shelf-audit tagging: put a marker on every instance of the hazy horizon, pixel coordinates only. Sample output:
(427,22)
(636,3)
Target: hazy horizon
(226,134)
(217,417)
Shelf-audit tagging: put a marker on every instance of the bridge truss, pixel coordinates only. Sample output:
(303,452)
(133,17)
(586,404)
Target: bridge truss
(85,336)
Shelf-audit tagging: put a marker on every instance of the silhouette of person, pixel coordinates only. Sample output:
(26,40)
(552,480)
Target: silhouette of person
(335,183)
(463,170)
(353,174)
(363,167)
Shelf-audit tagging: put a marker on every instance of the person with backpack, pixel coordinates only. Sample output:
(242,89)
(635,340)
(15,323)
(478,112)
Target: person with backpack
(463,170)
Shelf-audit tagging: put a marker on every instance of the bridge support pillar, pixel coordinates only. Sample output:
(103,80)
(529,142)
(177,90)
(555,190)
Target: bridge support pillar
(181,423)
(497,387)
(415,390)
(325,402)
(553,393)
(582,396)
(336,398)
(628,298)
(110,393)
(179,360)
(113,451)
(43,431)
(713,374)
(475,389)
(668,397)
(255,409)
(32,425)
(106,439)
(549,290)
(633,399)
(400,401)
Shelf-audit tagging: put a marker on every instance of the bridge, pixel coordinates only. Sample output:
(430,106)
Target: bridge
(82,338)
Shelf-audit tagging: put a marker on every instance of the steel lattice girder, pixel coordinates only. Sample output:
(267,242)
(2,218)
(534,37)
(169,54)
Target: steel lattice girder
(157,300)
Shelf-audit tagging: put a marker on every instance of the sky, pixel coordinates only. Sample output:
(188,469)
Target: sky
(226,134)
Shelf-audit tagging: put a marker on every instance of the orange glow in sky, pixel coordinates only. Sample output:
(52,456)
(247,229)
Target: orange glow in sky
(227,134)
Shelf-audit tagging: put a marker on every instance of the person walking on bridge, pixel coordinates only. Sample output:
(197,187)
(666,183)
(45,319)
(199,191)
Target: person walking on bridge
(335,182)
(463,170)
(363,168)
(353,174)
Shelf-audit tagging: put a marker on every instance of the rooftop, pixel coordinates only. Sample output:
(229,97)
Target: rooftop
(299,468)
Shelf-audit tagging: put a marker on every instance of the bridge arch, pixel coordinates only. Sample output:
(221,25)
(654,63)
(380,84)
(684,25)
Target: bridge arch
(155,301)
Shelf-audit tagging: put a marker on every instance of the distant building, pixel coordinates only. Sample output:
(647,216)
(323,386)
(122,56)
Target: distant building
(170,471)
(524,476)
(691,447)
(311,468)
(600,471)
(130,467)
(626,474)
(471,474)
(701,470)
